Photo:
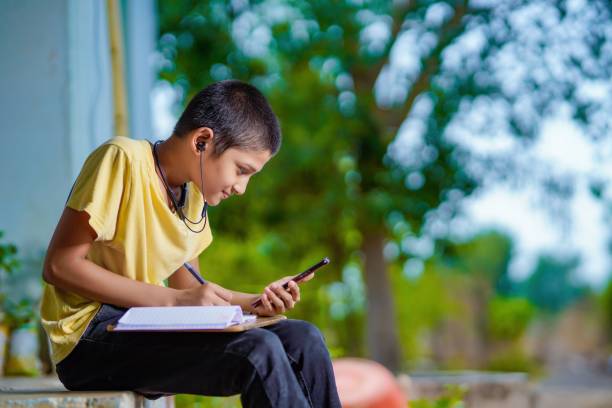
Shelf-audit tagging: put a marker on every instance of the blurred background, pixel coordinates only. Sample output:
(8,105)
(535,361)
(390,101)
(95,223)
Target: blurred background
(452,158)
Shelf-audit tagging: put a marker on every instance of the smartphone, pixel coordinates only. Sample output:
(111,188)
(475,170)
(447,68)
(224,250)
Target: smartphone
(300,277)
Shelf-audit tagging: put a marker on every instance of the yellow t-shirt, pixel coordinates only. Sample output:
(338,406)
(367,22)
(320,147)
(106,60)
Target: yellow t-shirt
(139,237)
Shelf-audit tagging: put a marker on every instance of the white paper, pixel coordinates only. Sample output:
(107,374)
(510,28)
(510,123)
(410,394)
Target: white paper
(182,318)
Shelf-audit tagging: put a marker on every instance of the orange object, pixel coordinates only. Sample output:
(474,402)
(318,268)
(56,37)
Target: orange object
(366,384)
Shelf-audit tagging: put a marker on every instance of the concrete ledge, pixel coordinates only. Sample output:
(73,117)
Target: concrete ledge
(70,400)
(572,397)
(48,392)
(482,389)
(31,385)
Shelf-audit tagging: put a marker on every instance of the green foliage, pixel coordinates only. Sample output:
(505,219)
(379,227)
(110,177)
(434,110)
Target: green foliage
(451,398)
(509,317)
(21,312)
(332,164)
(9,263)
(485,256)
(606,309)
(553,285)
(339,177)
(420,304)
(197,401)
(472,293)
(17,307)
(514,360)
(8,257)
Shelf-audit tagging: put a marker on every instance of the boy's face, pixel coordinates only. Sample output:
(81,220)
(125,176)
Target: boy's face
(229,173)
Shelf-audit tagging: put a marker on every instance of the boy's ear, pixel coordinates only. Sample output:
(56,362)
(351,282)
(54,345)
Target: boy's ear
(205,133)
(202,138)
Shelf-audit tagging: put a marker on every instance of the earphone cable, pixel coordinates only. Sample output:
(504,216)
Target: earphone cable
(178,209)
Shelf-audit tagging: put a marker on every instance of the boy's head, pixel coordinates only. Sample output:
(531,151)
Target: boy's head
(240,131)
(238,115)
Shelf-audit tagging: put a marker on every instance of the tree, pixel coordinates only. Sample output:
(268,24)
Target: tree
(553,285)
(484,259)
(345,76)
(606,310)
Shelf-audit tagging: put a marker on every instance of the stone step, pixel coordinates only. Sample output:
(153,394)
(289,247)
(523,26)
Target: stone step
(48,392)
(480,389)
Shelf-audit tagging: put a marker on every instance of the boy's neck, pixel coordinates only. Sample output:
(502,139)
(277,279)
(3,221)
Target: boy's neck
(170,154)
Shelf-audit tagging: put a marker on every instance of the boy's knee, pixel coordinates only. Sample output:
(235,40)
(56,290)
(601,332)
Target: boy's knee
(307,331)
(307,337)
(258,344)
(267,343)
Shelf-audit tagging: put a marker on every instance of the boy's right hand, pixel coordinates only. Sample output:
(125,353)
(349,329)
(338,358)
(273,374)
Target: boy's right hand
(209,294)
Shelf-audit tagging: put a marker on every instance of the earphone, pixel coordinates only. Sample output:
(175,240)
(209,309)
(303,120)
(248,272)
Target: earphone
(201,147)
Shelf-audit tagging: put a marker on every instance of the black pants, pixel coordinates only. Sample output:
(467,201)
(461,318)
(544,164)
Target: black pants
(283,365)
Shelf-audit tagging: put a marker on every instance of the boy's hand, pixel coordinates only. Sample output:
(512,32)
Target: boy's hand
(276,300)
(209,294)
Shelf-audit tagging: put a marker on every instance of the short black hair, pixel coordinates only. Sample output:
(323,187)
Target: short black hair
(238,114)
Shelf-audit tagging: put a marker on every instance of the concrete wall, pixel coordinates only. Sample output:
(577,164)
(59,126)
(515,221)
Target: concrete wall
(140,32)
(57,104)
(36,158)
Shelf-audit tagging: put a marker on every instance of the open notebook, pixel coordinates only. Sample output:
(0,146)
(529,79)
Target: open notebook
(184,318)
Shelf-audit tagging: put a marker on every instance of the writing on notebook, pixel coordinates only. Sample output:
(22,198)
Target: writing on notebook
(182,318)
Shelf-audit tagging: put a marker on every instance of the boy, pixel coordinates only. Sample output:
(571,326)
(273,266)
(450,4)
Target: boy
(135,214)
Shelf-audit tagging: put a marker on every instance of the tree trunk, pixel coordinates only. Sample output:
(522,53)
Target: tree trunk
(480,303)
(381,332)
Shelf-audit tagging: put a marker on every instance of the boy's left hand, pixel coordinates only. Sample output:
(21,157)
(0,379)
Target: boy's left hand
(276,300)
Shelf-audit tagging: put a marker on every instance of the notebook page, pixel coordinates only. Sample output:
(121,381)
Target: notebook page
(181,317)
(246,318)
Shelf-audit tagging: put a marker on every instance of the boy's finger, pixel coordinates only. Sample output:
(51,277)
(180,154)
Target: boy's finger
(284,295)
(307,278)
(295,291)
(266,303)
(219,301)
(223,294)
(270,306)
(261,311)
(284,280)
(278,304)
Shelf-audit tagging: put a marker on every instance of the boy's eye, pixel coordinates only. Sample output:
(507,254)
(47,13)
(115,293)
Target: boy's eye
(242,170)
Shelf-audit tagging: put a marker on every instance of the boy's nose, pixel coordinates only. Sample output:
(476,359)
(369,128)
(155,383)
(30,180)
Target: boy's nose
(239,189)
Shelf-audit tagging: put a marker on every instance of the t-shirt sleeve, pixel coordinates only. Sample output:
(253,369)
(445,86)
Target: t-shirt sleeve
(100,187)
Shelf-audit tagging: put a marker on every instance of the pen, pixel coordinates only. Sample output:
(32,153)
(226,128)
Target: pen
(195,273)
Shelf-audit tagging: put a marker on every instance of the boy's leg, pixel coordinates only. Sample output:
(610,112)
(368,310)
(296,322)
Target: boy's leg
(310,360)
(252,363)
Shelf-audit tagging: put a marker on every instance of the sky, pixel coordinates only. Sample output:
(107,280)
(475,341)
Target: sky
(535,228)
(538,223)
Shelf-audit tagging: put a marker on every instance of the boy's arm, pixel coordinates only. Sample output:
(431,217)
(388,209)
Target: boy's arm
(67,267)
(183,279)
